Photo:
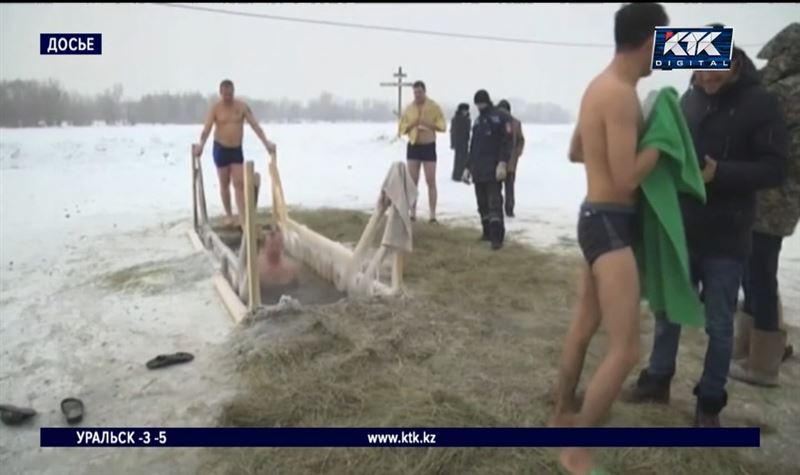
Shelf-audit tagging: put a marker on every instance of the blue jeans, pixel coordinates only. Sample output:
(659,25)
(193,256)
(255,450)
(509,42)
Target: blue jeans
(720,279)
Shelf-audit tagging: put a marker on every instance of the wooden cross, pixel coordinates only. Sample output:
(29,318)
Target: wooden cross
(400,75)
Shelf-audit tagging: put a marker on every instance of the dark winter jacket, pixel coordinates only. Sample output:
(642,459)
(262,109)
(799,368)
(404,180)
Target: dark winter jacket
(459,132)
(491,143)
(742,128)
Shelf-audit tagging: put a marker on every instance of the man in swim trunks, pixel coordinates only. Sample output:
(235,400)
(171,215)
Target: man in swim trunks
(421,120)
(229,114)
(605,140)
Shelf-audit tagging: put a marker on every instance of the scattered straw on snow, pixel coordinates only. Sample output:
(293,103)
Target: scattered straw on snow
(477,343)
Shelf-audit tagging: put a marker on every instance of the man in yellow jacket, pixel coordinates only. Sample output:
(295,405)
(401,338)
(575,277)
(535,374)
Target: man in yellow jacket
(420,121)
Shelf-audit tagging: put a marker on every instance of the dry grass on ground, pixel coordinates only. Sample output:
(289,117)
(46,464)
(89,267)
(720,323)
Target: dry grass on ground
(476,344)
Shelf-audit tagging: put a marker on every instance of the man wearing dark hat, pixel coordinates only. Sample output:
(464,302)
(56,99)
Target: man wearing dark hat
(459,139)
(489,153)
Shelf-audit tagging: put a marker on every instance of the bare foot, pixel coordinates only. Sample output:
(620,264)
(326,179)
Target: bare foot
(562,419)
(576,460)
(565,413)
(235,222)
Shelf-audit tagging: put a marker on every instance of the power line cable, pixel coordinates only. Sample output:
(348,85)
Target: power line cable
(413,31)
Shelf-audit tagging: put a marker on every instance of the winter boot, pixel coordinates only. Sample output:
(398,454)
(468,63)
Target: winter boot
(649,388)
(762,367)
(789,350)
(706,412)
(485,226)
(496,234)
(741,342)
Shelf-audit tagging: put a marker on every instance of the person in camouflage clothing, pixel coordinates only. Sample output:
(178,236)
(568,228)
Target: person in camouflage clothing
(760,341)
(517,147)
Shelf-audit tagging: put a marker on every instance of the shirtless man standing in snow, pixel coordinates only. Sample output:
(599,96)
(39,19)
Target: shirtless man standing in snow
(605,140)
(229,114)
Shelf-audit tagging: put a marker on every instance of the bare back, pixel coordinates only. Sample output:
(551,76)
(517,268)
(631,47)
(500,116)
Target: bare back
(229,122)
(599,134)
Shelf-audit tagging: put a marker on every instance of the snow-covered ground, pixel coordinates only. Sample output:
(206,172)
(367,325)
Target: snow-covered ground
(52,179)
(143,171)
(79,203)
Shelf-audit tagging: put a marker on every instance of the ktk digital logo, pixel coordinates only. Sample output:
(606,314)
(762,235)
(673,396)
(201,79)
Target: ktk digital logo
(708,48)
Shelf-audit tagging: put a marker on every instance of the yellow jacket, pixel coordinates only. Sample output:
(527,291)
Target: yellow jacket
(431,114)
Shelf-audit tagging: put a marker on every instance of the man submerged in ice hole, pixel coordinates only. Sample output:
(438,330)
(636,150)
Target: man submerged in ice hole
(276,271)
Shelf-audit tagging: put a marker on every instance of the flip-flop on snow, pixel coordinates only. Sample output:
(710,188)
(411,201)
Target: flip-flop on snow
(13,415)
(161,361)
(72,409)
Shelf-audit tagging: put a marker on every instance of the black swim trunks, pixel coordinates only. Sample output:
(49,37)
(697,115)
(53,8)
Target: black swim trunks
(604,228)
(422,152)
(224,156)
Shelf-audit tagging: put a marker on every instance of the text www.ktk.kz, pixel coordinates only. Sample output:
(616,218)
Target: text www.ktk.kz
(404,438)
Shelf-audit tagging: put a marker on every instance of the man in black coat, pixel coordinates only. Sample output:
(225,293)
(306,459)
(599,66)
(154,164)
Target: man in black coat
(489,153)
(459,139)
(740,137)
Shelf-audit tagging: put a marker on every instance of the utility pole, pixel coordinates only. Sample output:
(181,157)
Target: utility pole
(399,84)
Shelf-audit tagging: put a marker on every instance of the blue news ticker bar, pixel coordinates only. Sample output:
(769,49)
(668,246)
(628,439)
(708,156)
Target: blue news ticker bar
(404,437)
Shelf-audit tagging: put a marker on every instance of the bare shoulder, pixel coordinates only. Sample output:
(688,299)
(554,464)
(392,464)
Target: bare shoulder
(617,99)
(242,106)
(609,91)
(624,94)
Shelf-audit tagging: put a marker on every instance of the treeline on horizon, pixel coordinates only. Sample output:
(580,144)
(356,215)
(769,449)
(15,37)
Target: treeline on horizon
(31,103)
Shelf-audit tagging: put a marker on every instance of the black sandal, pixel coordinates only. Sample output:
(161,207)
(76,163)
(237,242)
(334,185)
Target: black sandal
(162,361)
(13,415)
(72,409)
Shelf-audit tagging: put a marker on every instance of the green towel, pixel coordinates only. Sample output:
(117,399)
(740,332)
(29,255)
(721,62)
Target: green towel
(662,255)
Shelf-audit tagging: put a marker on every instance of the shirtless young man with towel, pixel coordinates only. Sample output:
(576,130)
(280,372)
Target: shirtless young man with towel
(605,140)
(229,114)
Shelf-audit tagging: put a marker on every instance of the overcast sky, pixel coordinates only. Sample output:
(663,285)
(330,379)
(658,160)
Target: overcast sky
(151,48)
